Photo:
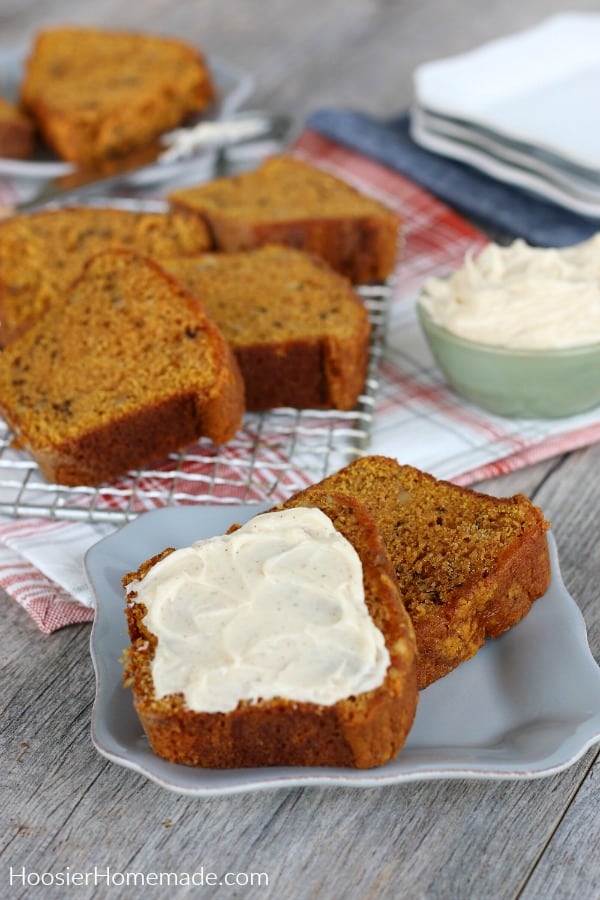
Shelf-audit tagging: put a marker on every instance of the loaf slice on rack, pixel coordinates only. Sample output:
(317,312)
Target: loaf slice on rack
(287,201)
(299,332)
(469,566)
(96,94)
(43,252)
(128,368)
(322,675)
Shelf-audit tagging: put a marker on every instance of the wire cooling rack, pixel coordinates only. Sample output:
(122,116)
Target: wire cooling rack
(274,454)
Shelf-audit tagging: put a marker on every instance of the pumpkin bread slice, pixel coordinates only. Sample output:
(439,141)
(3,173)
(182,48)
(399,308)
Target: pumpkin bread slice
(469,566)
(128,368)
(361,731)
(299,332)
(288,201)
(96,94)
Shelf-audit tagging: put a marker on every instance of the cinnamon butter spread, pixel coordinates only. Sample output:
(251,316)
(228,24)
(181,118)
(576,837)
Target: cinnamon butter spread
(274,609)
(521,296)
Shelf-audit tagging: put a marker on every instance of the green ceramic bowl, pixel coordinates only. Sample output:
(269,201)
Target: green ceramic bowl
(518,383)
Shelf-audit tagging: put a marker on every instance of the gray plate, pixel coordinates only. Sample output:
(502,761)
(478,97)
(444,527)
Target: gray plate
(527,706)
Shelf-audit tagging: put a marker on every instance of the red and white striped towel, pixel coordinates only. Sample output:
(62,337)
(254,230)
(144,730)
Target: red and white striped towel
(418,419)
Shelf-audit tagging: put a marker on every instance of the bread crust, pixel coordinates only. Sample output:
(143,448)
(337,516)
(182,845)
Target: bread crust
(363,249)
(469,566)
(360,732)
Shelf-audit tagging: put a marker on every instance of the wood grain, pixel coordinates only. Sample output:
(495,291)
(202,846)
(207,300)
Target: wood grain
(64,805)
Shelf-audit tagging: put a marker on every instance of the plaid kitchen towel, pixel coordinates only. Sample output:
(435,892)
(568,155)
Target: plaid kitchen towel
(417,418)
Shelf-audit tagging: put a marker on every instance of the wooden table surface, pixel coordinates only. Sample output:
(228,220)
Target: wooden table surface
(63,805)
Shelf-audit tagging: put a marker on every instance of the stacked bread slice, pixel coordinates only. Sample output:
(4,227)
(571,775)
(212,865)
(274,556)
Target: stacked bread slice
(443,568)
(296,328)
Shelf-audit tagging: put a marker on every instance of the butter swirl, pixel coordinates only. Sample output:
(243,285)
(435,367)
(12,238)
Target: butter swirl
(521,296)
(275,609)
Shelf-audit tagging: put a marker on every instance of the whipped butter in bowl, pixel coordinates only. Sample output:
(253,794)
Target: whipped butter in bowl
(517,329)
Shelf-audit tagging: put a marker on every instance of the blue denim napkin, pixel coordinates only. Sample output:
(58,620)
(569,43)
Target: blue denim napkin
(496,206)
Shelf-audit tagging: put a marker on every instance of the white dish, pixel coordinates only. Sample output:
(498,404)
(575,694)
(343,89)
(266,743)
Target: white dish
(579,175)
(233,89)
(527,706)
(540,86)
(531,179)
(566,179)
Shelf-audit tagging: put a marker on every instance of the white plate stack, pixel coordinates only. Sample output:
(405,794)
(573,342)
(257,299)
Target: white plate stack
(525,109)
